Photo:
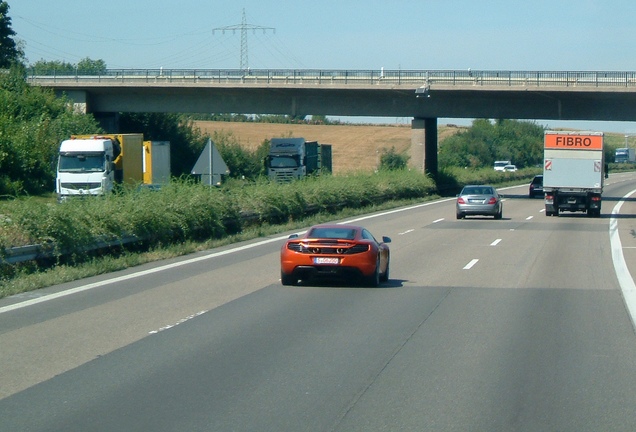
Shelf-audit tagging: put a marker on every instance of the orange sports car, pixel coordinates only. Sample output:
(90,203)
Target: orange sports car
(334,251)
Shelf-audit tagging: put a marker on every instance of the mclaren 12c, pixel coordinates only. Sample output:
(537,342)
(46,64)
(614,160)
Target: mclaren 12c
(334,251)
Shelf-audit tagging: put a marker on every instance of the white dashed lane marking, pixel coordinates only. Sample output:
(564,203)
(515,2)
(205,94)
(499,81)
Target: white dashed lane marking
(470,264)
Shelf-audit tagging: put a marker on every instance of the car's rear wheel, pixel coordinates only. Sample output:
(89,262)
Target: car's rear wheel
(374,280)
(385,276)
(499,214)
(460,215)
(288,279)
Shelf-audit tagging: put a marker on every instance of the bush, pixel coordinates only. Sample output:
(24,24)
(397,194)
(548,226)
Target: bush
(392,160)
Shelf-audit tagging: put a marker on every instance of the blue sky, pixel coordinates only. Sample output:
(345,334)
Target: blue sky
(369,34)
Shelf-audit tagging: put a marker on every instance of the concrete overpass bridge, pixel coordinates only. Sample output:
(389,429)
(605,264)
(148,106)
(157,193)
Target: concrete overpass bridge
(423,95)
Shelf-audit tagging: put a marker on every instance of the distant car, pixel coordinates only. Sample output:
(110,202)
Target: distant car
(536,187)
(479,200)
(510,168)
(499,165)
(334,251)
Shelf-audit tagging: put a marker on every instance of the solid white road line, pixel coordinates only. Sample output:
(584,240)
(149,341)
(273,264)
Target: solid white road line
(625,279)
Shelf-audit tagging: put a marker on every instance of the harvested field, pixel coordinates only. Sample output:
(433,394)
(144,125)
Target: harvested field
(354,147)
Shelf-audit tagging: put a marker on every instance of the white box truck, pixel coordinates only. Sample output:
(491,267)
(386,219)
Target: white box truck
(90,165)
(573,172)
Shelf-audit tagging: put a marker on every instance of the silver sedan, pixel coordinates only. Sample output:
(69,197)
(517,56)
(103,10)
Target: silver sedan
(479,200)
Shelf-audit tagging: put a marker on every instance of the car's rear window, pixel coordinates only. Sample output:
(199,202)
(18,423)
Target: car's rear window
(333,233)
(477,191)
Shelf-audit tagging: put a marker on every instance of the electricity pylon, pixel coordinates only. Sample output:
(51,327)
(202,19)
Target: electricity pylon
(244,27)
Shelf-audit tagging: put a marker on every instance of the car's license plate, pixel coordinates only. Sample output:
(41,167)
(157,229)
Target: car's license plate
(322,260)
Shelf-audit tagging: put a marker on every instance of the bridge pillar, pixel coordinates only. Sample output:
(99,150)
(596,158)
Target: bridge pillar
(79,98)
(424,145)
(81,104)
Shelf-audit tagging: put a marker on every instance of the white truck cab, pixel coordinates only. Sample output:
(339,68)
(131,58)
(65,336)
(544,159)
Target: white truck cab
(85,167)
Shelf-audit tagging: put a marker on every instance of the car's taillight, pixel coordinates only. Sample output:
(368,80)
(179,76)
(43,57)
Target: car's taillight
(460,200)
(492,200)
(596,198)
(296,247)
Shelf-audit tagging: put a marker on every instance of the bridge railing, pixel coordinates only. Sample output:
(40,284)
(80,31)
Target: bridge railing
(347,77)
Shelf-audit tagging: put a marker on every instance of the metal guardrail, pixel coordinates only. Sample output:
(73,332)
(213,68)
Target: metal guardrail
(34,252)
(347,77)
(21,254)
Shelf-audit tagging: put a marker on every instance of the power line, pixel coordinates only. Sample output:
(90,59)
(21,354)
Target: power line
(243,27)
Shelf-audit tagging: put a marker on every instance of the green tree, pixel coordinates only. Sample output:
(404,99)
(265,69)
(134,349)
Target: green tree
(32,124)
(87,66)
(486,141)
(55,67)
(10,52)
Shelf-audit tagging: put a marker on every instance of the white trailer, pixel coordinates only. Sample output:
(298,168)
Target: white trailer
(573,172)
(156,162)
